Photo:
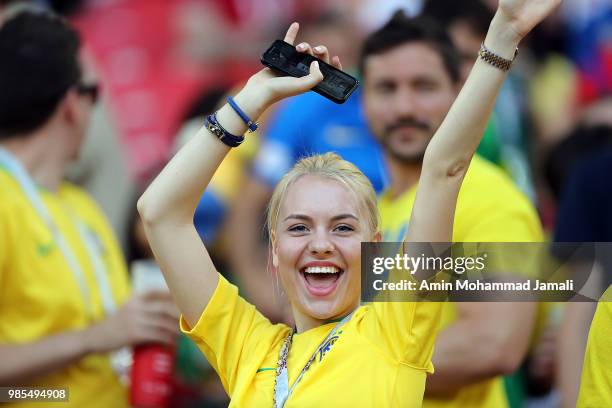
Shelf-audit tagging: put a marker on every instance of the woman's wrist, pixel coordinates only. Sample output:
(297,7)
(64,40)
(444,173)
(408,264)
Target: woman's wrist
(252,101)
(502,38)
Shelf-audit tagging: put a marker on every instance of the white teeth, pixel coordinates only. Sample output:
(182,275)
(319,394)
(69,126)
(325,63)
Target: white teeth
(321,269)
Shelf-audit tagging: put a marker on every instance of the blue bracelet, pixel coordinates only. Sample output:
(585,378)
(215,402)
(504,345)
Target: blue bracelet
(250,124)
(223,135)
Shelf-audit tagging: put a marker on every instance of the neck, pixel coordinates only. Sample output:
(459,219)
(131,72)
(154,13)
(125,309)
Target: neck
(404,175)
(44,163)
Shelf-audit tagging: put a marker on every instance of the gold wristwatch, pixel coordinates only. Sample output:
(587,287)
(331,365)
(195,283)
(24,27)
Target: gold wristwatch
(492,58)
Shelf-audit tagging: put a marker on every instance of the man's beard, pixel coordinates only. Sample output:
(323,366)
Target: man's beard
(406,158)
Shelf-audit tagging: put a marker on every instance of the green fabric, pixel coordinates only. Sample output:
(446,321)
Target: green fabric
(490,146)
(190,362)
(515,389)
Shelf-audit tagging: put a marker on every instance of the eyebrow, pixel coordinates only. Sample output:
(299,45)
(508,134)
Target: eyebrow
(307,218)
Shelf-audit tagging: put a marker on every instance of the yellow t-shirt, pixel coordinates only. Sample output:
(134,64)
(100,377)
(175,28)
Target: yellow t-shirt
(489,209)
(379,358)
(39,295)
(596,383)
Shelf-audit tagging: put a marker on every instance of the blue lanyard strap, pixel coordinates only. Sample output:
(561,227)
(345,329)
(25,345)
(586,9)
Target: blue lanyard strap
(16,170)
(281,387)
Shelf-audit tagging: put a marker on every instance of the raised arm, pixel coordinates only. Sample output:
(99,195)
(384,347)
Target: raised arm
(452,147)
(168,205)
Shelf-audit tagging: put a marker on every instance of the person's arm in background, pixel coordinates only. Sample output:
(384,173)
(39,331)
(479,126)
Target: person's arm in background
(486,340)
(146,318)
(572,345)
(578,218)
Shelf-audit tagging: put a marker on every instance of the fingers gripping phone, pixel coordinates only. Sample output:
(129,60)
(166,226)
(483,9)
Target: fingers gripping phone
(283,58)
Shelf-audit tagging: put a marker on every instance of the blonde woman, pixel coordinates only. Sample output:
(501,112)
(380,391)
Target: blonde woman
(339,353)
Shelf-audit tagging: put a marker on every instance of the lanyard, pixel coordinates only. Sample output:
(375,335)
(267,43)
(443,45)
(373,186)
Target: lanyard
(281,386)
(15,168)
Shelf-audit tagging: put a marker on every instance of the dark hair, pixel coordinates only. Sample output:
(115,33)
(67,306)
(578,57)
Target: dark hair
(401,30)
(38,64)
(473,12)
(579,143)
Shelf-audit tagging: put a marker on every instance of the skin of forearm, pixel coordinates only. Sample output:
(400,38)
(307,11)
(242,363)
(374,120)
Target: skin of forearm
(459,362)
(459,135)
(462,357)
(480,345)
(175,193)
(168,205)
(23,363)
(451,149)
(572,345)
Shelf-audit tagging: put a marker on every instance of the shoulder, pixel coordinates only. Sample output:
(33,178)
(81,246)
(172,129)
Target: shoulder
(482,171)
(487,183)
(78,197)
(8,185)
(13,199)
(84,206)
(491,207)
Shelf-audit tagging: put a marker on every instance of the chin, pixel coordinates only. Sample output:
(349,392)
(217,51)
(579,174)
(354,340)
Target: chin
(322,311)
(408,156)
(407,153)
(328,309)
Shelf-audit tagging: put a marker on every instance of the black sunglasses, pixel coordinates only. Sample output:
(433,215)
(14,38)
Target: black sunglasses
(92,90)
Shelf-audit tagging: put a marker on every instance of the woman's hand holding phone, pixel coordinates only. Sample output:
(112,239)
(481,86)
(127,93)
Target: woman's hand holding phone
(267,87)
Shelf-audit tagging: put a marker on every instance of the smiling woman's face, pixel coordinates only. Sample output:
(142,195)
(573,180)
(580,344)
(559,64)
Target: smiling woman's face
(317,248)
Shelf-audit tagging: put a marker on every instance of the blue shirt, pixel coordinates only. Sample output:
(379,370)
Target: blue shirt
(310,124)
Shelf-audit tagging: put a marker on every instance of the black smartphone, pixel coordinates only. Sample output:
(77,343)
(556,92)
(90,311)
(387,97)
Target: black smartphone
(283,58)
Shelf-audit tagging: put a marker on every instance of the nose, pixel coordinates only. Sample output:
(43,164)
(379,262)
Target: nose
(320,244)
(404,103)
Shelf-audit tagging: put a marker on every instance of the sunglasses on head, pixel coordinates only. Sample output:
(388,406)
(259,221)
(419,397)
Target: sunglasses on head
(92,90)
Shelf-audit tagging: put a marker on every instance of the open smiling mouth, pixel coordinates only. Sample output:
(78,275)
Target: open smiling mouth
(321,280)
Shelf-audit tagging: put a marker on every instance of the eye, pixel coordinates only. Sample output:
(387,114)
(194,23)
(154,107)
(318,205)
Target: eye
(344,228)
(426,86)
(385,87)
(297,228)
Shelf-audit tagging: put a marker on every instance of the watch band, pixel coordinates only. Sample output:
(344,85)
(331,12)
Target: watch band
(223,135)
(493,59)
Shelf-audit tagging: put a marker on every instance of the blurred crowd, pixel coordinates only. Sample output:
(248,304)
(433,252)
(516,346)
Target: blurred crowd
(162,65)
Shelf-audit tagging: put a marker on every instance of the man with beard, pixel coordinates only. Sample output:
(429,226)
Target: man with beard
(411,76)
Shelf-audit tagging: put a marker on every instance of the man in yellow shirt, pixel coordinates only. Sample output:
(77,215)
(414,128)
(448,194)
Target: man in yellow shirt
(596,382)
(64,294)
(411,78)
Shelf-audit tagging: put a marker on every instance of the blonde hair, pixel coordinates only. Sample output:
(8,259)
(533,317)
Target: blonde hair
(333,167)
